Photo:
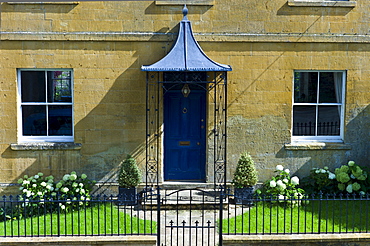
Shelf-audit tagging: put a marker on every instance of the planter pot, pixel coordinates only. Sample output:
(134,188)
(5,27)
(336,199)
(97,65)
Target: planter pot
(244,195)
(127,196)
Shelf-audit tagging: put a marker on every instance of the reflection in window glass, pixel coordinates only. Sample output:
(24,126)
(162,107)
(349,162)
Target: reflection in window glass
(328,122)
(60,120)
(304,119)
(305,87)
(59,86)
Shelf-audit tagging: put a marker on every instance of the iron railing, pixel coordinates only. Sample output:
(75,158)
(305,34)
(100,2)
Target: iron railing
(99,215)
(322,128)
(187,215)
(302,214)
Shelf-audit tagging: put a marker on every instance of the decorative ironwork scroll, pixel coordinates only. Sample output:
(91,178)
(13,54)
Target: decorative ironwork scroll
(153,129)
(218,92)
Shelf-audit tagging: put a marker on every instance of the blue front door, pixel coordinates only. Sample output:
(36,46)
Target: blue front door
(185,134)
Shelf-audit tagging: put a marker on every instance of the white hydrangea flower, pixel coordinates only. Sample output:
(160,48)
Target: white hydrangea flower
(66,177)
(287,170)
(281,185)
(281,197)
(26,182)
(64,189)
(279,168)
(285,181)
(331,175)
(351,163)
(272,183)
(295,180)
(43,184)
(73,177)
(349,188)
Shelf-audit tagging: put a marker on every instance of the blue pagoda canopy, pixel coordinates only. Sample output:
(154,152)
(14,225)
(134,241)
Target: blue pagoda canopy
(186,54)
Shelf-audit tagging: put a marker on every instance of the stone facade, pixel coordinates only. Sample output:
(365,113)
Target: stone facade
(106,43)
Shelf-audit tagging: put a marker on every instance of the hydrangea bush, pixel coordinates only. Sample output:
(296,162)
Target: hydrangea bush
(320,179)
(349,178)
(283,188)
(352,178)
(42,188)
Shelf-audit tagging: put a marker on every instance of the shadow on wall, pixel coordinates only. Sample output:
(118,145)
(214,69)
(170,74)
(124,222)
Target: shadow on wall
(110,127)
(357,136)
(109,116)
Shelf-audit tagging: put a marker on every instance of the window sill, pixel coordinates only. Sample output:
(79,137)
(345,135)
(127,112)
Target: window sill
(321,3)
(46,146)
(191,2)
(317,146)
(44,3)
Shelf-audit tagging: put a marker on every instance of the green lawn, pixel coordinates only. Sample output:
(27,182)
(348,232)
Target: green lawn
(97,220)
(315,217)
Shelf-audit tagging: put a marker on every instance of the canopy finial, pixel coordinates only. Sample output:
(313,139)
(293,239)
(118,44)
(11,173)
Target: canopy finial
(185,12)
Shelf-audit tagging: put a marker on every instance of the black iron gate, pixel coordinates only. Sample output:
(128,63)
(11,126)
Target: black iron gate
(186,217)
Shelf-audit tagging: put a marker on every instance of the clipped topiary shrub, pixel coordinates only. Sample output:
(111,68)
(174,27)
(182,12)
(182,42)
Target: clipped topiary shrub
(245,174)
(129,174)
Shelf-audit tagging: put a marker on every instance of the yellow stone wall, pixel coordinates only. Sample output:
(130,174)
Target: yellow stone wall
(105,43)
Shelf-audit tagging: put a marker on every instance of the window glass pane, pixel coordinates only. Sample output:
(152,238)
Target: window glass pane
(34,120)
(304,118)
(305,87)
(60,120)
(59,86)
(33,86)
(328,121)
(330,87)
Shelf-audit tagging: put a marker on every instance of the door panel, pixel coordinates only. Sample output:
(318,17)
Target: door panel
(184,135)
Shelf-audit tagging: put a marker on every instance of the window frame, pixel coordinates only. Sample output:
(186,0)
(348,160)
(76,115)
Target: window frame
(327,138)
(25,139)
